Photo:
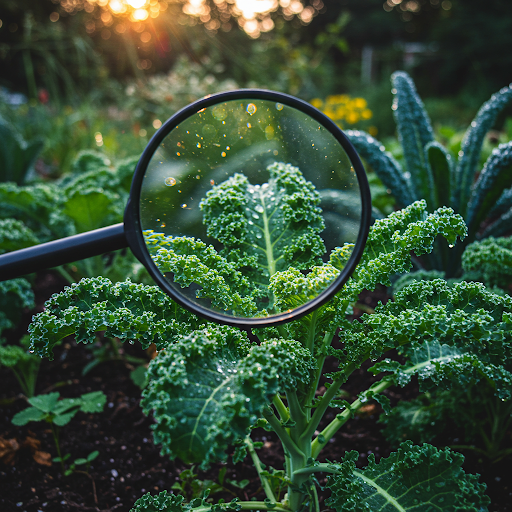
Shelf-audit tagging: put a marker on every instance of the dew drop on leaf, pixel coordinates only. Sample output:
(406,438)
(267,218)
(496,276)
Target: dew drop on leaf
(251,108)
(170,182)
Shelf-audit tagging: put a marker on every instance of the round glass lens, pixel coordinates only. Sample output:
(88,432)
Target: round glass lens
(243,204)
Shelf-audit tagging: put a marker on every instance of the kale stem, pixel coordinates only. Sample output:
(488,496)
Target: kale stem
(297,413)
(257,464)
(314,499)
(331,392)
(57,445)
(258,505)
(285,438)
(322,467)
(284,415)
(342,418)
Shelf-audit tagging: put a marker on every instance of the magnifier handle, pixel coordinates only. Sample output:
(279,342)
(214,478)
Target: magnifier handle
(66,250)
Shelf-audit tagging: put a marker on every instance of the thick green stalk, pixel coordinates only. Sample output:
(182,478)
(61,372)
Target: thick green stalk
(297,460)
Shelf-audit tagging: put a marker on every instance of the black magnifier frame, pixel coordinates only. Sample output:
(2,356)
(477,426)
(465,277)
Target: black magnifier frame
(132,221)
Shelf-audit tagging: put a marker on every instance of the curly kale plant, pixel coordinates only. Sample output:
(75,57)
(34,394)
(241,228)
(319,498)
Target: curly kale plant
(91,197)
(430,172)
(211,385)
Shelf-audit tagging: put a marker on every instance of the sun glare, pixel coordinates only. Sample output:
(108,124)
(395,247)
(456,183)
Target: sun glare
(253,16)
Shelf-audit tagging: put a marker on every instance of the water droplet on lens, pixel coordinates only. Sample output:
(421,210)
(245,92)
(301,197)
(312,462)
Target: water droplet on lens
(170,182)
(198,144)
(251,108)
(223,154)
(184,205)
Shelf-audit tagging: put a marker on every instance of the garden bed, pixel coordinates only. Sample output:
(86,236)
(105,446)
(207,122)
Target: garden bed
(129,464)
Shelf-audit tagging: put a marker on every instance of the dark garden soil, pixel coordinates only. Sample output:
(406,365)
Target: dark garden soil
(129,464)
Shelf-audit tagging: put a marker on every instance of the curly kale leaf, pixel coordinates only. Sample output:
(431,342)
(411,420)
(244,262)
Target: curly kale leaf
(15,235)
(391,241)
(279,222)
(163,502)
(169,502)
(208,389)
(125,310)
(291,289)
(36,206)
(489,261)
(194,262)
(15,295)
(412,479)
(458,334)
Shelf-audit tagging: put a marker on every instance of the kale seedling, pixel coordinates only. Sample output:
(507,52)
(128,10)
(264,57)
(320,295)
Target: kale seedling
(59,413)
(210,386)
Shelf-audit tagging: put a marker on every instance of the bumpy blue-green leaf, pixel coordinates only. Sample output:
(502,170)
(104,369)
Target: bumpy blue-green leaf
(412,479)
(125,310)
(489,261)
(488,188)
(279,222)
(472,144)
(440,162)
(499,227)
(192,261)
(206,390)
(503,204)
(414,133)
(384,165)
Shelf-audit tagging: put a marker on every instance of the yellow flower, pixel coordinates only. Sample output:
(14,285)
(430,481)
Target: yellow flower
(366,113)
(360,103)
(317,103)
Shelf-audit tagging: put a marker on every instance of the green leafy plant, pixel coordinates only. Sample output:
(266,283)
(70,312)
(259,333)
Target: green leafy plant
(481,417)
(210,385)
(58,413)
(17,156)
(475,364)
(91,197)
(429,171)
(22,363)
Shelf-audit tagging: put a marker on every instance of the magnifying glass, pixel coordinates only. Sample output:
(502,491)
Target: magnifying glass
(232,191)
